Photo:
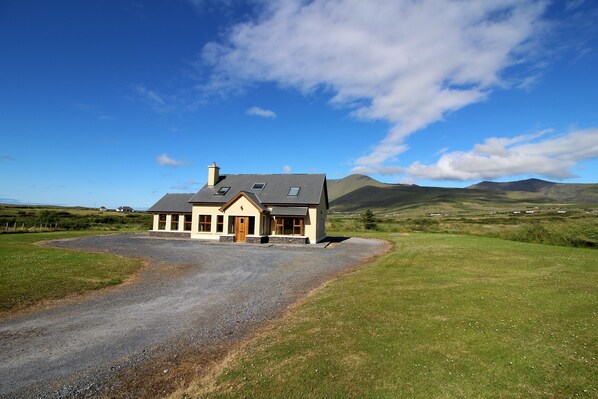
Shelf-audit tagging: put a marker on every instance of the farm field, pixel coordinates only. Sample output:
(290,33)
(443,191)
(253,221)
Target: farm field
(440,315)
(39,218)
(576,227)
(30,273)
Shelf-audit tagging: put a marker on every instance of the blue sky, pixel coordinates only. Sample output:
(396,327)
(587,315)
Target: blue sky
(116,103)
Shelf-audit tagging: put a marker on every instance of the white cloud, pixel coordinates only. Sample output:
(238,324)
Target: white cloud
(409,63)
(287,169)
(257,111)
(552,156)
(151,98)
(165,160)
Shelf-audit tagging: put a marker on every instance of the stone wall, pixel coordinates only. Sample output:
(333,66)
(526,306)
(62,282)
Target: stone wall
(227,238)
(287,240)
(256,240)
(170,234)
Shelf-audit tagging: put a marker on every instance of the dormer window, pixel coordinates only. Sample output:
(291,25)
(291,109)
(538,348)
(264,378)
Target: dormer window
(258,186)
(222,191)
(294,191)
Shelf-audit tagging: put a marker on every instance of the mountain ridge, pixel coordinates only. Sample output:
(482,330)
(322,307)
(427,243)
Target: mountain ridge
(359,192)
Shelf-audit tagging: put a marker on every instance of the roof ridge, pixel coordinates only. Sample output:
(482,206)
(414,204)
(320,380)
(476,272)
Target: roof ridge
(273,174)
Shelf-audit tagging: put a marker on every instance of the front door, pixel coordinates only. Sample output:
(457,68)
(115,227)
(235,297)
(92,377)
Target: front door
(241,227)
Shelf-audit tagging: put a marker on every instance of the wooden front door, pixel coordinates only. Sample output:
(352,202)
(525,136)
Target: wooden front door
(241,227)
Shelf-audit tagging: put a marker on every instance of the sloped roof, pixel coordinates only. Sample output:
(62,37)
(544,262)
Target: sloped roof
(173,203)
(288,211)
(274,192)
(252,198)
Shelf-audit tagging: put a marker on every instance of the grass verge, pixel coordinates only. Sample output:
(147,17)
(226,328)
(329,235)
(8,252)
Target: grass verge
(30,273)
(439,316)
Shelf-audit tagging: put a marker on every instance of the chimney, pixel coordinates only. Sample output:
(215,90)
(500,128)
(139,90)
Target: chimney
(213,174)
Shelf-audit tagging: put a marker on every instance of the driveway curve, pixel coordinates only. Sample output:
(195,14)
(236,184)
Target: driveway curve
(194,299)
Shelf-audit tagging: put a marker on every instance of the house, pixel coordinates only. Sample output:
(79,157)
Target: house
(124,209)
(252,208)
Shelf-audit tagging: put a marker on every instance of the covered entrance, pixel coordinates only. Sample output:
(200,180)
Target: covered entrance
(241,228)
(246,218)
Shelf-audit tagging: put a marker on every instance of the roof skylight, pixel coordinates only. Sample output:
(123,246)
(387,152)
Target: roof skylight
(222,191)
(294,191)
(258,186)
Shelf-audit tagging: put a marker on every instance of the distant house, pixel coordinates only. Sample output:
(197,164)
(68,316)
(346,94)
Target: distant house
(256,208)
(124,209)
(103,209)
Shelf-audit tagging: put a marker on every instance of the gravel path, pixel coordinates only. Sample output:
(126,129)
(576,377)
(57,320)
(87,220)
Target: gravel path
(193,301)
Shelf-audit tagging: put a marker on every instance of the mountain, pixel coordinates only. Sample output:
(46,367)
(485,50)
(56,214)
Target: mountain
(339,187)
(566,192)
(529,185)
(356,193)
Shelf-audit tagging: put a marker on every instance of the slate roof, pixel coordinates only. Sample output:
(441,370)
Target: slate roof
(173,203)
(288,211)
(274,192)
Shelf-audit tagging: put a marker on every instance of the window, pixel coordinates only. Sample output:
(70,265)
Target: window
(258,186)
(188,219)
(222,191)
(294,191)
(205,223)
(219,223)
(162,221)
(297,226)
(289,226)
(251,226)
(174,222)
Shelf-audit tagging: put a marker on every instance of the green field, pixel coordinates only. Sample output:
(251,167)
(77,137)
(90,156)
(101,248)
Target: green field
(30,273)
(28,218)
(576,228)
(439,316)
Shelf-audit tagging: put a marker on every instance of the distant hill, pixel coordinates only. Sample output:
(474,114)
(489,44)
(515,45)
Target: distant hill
(566,192)
(529,185)
(339,187)
(356,193)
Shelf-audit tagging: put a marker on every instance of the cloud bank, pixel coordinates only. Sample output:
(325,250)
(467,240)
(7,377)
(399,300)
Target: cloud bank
(496,157)
(405,62)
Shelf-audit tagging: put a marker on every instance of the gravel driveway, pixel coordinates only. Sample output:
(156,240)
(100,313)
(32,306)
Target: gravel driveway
(186,309)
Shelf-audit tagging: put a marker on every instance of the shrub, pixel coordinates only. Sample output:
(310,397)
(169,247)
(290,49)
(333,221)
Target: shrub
(369,221)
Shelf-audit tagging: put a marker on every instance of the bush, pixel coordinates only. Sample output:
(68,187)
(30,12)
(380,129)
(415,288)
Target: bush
(369,221)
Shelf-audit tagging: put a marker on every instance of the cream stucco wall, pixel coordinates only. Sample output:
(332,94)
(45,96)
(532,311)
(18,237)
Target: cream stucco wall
(205,210)
(321,213)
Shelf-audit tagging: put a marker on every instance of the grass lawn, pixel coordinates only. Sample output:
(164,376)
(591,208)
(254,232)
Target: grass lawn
(440,316)
(31,273)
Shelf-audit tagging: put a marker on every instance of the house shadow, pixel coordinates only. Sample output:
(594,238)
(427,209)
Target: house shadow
(334,240)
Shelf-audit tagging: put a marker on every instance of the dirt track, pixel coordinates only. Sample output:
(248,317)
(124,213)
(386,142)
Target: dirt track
(184,310)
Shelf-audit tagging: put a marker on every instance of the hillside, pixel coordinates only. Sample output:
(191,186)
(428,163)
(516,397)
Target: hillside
(356,193)
(566,192)
(339,187)
(529,185)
